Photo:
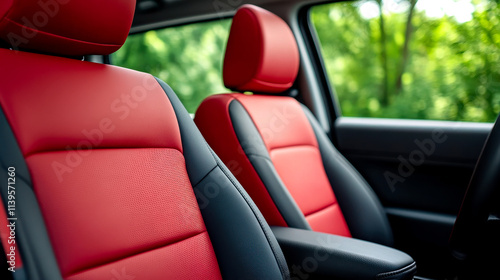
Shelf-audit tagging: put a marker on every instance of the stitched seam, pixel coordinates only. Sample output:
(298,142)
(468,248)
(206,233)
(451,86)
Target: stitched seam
(405,269)
(321,209)
(134,254)
(248,155)
(293,146)
(101,148)
(61,37)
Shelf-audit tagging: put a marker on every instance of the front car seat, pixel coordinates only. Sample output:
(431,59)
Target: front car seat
(112,178)
(274,145)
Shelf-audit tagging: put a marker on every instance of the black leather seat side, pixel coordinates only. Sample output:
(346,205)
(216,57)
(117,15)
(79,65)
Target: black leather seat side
(254,148)
(34,245)
(223,202)
(362,209)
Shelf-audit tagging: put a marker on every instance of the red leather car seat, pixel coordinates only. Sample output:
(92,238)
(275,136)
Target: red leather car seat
(113,179)
(274,145)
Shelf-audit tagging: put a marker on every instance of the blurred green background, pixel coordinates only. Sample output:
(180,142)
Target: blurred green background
(411,59)
(188,58)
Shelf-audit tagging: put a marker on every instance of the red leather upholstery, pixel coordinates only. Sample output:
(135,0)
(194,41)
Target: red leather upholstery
(294,152)
(255,60)
(63,26)
(103,114)
(213,120)
(107,169)
(292,147)
(262,56)
(112,170)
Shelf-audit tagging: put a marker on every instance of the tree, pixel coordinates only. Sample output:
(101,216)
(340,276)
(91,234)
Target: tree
(401,64)
(406,64)
(405,50)
(189,58)
(383,56)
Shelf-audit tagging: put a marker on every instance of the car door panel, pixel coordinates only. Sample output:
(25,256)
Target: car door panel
(420,170)
(415,164)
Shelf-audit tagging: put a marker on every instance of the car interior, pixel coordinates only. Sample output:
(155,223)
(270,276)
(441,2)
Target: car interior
(189,139)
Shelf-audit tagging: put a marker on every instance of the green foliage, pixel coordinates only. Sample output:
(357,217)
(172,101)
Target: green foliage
(189,58)
(452,71)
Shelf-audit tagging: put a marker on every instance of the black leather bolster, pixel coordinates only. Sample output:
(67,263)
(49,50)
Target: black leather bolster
(315,255)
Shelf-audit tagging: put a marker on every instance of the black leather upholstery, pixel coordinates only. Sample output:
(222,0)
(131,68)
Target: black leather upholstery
(243,242)
(233,221)
(480,201)
(38,258)
(199,159)
(315,254)
(361,207)
(254,148)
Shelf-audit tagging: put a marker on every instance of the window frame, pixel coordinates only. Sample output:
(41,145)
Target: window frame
(313,47)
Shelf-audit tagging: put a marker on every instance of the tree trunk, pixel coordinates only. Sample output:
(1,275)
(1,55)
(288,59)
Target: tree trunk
(406,48)
(383,58)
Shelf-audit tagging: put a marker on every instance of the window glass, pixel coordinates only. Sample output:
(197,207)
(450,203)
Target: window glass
(189,58)
(413,59)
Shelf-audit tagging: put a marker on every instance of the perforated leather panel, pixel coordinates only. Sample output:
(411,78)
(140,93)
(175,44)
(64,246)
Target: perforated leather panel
(294,152)
(105,155)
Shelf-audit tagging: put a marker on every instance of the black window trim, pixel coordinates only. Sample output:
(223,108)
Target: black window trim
(313,47)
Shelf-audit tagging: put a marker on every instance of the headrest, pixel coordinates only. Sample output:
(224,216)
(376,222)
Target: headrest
(261,54)
(66,27)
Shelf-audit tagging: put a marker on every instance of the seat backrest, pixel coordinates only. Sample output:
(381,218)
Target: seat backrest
(273,144)
(114,181)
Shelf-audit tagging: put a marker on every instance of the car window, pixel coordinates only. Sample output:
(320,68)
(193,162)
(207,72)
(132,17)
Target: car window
(412,59)
(188,57)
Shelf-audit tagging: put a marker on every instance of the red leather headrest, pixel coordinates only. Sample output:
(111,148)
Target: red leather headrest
(66,27)
(262,54)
